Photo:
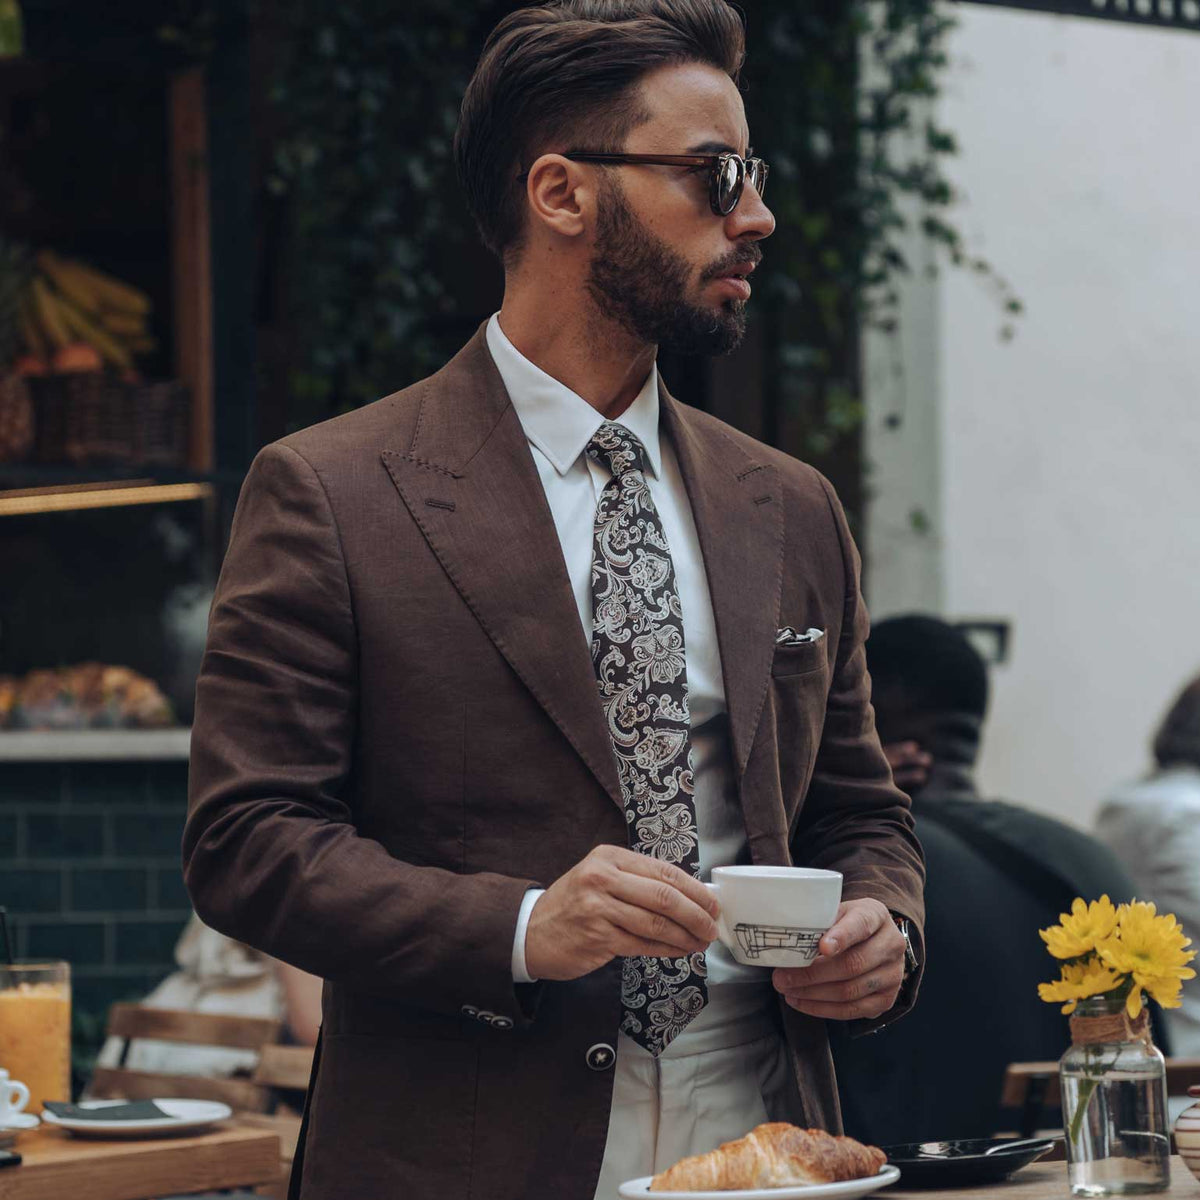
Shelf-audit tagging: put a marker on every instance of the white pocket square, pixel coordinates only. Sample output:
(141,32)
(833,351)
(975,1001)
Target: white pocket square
(788,636)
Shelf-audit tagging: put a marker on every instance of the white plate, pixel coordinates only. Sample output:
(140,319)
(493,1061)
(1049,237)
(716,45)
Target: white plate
(19,1120)
(847,1190)
(185,1116)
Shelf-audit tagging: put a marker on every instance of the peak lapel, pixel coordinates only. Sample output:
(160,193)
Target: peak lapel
(470,483)
(738,510)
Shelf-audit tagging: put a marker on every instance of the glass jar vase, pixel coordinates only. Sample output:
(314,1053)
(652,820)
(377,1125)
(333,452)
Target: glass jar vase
(1114,1103)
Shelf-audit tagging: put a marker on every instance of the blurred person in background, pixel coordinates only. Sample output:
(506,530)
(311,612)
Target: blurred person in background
(221,976)
(1153,826)
(996,874)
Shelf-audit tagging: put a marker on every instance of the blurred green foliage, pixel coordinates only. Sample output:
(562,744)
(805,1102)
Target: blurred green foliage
(837,94)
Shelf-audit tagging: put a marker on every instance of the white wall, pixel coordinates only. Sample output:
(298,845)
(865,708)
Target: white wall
(1066,463)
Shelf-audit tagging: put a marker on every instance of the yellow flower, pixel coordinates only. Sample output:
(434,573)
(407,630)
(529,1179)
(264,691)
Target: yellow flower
(1081,929)
(1078,981)
(1151,950)
(1167,990)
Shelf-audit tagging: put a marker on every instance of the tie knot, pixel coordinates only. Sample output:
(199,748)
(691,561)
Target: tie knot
(617,448)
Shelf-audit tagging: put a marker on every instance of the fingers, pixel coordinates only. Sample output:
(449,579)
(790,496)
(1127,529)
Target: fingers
(654,928)
(856,921)
(827,1010)
(859,960)
(906,754)
(633,863)
(884,981)
(663,906)
(910,764)
(883,949)
(862,981)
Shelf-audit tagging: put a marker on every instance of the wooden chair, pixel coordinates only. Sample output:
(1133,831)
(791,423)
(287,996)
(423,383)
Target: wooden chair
(134,1021)
(253,1098)
(1032,1087)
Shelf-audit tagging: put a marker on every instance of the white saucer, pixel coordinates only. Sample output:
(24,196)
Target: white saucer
(184,1116)
(19,1120)
(847,1190)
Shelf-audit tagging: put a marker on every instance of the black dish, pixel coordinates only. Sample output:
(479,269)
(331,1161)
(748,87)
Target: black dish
(964,1161)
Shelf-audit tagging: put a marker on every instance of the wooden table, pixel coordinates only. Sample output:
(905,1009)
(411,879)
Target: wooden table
(1040,1181)
(57,1166)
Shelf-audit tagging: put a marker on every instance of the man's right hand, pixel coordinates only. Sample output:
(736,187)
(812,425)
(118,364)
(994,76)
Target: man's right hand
(617,902)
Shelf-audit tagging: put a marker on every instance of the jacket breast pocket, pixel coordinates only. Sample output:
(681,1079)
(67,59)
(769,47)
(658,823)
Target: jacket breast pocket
(798,659)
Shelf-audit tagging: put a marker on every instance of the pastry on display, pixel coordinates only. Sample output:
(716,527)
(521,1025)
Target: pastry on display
(88,696)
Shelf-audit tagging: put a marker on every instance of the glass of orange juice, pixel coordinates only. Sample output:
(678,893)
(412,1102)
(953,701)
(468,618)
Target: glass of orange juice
(35,1028)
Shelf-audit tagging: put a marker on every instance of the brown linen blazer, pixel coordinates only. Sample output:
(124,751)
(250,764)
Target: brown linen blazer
(397,733)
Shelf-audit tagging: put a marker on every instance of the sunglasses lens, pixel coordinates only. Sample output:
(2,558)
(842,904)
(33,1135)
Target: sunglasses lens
(729,184)
(756,169)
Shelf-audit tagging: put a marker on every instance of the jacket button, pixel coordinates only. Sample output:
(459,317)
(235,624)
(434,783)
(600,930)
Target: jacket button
(600,1057)
(502,1023)
(486,1017)
(469,1010)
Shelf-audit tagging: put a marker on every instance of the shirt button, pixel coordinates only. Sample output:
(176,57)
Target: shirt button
(600,1057)
(502,1023)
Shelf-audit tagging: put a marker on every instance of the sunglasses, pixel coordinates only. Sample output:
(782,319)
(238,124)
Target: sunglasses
(727,173)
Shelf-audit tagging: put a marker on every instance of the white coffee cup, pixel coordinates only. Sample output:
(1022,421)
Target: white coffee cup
(13,1097)
(775,916)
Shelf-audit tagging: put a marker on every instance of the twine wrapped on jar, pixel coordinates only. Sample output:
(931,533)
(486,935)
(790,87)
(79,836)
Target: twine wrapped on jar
(1110,1027)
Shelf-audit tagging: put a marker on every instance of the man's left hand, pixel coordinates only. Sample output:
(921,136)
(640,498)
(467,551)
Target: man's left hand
(859,971)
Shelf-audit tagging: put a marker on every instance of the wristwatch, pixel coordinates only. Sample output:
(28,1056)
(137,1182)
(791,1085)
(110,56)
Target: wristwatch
(910,955)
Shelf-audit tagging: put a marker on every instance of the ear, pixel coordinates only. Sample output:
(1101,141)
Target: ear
(561,195)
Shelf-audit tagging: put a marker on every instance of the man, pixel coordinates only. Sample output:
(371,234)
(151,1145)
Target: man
(501,666)
(997,874)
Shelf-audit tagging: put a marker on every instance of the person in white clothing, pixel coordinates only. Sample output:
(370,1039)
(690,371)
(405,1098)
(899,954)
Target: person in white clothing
(1153,825)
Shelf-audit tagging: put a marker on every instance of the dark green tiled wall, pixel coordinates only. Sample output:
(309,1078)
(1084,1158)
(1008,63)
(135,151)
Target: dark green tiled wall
(89,872)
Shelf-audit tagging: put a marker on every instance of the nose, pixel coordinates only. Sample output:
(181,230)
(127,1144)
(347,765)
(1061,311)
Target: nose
(752,218)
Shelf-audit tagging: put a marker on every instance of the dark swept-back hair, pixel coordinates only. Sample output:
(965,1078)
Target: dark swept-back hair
(562,76)
(1177,741)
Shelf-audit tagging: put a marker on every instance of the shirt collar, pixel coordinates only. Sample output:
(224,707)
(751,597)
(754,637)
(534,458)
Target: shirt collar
(560,422)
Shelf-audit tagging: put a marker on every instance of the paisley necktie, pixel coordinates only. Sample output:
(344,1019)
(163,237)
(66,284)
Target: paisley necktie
(638,654)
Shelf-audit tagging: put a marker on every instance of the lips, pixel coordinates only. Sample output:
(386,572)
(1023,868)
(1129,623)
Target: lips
(735,279)
(736,285)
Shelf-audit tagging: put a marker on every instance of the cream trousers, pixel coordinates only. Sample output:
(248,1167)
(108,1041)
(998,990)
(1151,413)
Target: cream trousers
(725,1074)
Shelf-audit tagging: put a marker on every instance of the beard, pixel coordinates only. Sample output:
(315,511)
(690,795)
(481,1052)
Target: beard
(637,281)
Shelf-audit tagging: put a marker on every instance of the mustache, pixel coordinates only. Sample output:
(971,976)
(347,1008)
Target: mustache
(751,257)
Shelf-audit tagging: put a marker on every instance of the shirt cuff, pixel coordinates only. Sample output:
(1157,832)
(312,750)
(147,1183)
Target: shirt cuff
(519,973)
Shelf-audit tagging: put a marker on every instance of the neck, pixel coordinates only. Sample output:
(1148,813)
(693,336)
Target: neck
(576,345)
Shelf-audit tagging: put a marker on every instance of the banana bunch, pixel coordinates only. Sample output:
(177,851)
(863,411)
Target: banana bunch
(69,302)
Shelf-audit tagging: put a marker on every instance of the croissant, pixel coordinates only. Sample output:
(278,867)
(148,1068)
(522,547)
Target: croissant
(772,1155)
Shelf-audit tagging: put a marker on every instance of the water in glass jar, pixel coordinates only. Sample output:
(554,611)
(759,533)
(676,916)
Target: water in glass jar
(1121,1147)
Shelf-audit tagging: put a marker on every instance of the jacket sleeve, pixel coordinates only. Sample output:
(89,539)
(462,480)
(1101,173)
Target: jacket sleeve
(271,854)
(855,820)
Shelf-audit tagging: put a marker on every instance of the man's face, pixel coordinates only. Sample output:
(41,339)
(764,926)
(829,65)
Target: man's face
(663,261)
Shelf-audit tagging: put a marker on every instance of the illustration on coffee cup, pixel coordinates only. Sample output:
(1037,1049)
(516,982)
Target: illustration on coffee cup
(755,939)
